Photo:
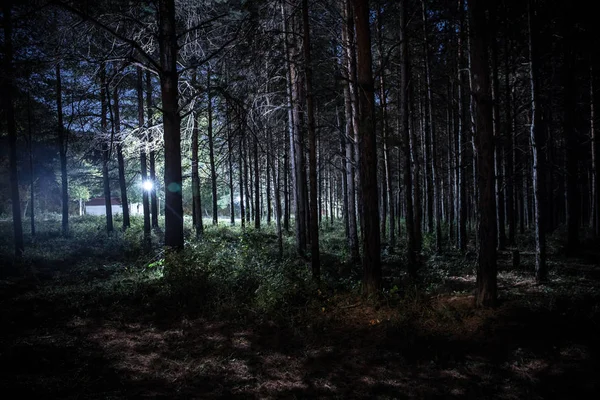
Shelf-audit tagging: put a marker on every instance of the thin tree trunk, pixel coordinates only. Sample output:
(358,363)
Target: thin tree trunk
(388,195)
(121,161)
(509,148)
(312,148)
(256,186)
(462,140)
(143,159)
(106,149)
(230,165)
(31,166)
(246,181)
(62,143)
(411,247)
(241,175)
(499,141)
(433,182)
(296,140)
(537,145)
(152,161)
(8,86)
(347,34)
(571,138)
(595,155)
(487,291)
(276,171)
(196,192)
(286,187)
(211,151)
(368,152)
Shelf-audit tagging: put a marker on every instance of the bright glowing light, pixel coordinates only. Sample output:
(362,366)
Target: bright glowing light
(147,185)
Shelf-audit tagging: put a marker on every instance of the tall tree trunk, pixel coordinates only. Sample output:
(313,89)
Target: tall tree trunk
(499,139)
(143,158)
(411,247)
(595,154)
(462,139)
(247,184)
(571,137)
(286,187)
(169,79)
(433,182)
(296,139)
(537,145)
(368,152)
(347,34)
(196,192)
(241,174)
(31,166)
(276,171)
(120,160)
(256,185)
(268,176)
(211,151)
(343,168)
(62,146)
(152,155)
(487,292)
(8,86)
(509,149)
(106,149)
(312,147)
(388,196)
(230,165)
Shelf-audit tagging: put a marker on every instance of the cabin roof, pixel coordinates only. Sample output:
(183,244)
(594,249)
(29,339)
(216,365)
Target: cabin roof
(99,201)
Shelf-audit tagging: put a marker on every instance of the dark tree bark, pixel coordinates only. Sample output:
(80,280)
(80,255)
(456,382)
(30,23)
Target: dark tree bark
(312,147)
(538,143)
(296,139)
(120,160)
(571,136)
(106,149)
(256,185)
(152,155)
(276,171)
(211,151)
(62,148)
(388,195)
(347,34)
(286,187)
(196,195)
(499,139)
(411,246)
(462,140)
(433,184)
(143,158)
(31,166)
(169,78)
(246,180)
(230,165)
(595,153)
(509,148)
(8,88)
(268,177)
(241,174)
(484,142)
(368,152)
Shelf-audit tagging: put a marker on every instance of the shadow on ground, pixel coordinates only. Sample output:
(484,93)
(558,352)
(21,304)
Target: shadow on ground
(111,348)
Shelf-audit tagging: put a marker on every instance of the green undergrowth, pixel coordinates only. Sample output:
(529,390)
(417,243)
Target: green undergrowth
(244,272)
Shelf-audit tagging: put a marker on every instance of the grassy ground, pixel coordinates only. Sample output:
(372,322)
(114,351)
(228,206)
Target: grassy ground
(94,317)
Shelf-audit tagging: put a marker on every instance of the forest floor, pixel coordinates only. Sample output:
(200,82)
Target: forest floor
(76,329)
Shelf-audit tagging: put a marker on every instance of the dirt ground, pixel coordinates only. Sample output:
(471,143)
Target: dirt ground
(72,338)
